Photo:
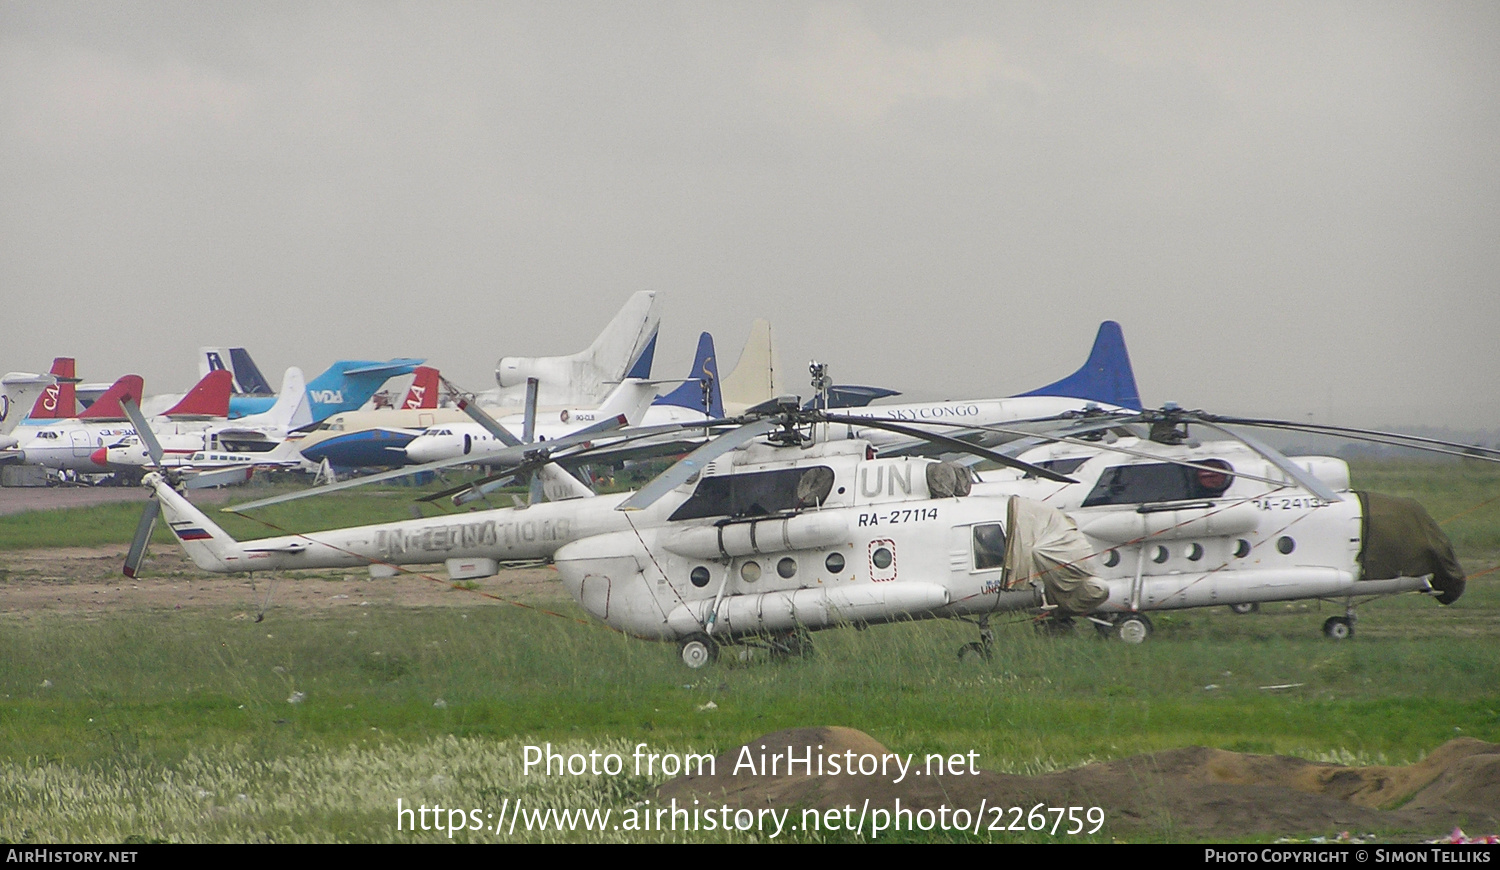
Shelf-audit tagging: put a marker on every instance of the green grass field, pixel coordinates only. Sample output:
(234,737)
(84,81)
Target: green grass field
(181,725)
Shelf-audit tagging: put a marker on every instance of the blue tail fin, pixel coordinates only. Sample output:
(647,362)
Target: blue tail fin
(641,368)
(247,373)
(690,394)
(1106,377)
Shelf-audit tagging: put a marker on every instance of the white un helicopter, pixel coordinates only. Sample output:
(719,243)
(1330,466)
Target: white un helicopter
(782,526)
(1177,523)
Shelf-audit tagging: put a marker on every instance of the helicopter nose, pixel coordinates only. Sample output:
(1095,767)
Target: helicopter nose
(100,456)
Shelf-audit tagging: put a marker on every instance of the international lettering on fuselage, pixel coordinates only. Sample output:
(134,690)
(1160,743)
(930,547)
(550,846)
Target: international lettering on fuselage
(394,541)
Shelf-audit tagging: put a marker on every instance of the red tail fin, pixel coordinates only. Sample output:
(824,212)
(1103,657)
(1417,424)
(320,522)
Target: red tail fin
(107,407)
(424,389)
(208,398)
(58,402)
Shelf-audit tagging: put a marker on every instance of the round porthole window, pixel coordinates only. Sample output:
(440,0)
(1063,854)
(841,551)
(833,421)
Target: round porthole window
(1285,545)
(1241,548)
(1160,555)
(787,568)
(750,572)
(1111,558)
(1194,552)
(834,563)
(699,576)
(881,558)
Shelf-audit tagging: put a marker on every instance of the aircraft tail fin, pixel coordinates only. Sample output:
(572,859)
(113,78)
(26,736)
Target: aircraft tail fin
(1107,376)
(630,399)
(248,381)
(47,393)
(705,370)
(628,343)
(424,389)
(348,384)
(208,398)
(59,401)
(210,547)
(624,349)
(292,409)
(107,406)
(754,379)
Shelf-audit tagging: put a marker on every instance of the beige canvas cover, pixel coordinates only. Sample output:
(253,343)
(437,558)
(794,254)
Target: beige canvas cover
(1044,546)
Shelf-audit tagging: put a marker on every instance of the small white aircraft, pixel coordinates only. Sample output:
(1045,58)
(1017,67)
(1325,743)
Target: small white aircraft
(198,428)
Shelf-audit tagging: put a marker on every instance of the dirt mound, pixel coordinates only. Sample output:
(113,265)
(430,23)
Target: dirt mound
(1192,792)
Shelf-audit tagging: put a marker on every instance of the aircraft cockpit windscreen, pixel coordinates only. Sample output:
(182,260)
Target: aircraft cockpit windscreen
(757,493)
(1158,482)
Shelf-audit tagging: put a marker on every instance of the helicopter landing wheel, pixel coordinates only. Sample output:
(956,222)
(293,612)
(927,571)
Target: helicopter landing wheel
(1338,628)
(1244,607)
(698,650)
(976,650)
(1133,629)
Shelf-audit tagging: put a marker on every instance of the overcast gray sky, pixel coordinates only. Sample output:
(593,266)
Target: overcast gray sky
(1291,208)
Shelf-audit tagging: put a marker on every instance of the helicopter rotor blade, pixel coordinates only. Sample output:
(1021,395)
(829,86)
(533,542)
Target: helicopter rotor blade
(528,421)
(1096,445)
(143,429)
(1374,436)
(953,444)
(142,537)
(695,462)
(509,456)
(1305,480)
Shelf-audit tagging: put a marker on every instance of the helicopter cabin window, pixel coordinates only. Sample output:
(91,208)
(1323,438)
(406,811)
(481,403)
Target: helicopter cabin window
(989,547)
(1159,481)
(758,493)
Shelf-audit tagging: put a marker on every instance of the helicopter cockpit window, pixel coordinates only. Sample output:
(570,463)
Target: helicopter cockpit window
(989,547)
(814,486)
(757,493)
(1153,482)
(948,480)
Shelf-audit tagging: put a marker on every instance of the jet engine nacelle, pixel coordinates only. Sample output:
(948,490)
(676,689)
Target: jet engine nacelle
(513,371)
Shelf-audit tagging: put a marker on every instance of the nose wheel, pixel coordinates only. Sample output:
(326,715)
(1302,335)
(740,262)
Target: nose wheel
(1338,628)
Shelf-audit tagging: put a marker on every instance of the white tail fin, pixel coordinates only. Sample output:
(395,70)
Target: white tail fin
(583,378)
(20,392)
(632,398)
(756,377)
(291,411)
(210,547)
